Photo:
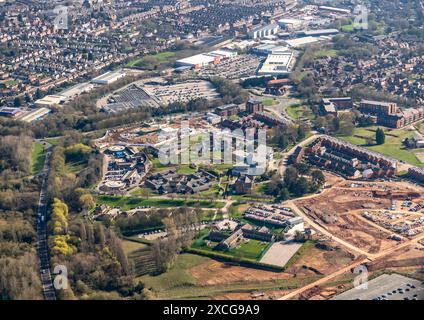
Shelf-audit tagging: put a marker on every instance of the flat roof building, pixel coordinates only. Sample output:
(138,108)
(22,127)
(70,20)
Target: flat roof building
(10,112)
(109,77)
(49,101)
(197,61)
(276,63)
(302,41)
(35,115)
(264,31)
(317,33)
(334,9)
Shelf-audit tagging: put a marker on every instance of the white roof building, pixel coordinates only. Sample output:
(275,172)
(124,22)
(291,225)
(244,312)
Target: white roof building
(264,31)
(109,77)
(276,63)
(50,100)
(299,42)
(197,61)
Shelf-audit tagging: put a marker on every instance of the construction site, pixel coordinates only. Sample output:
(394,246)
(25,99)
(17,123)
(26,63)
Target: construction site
(371,216)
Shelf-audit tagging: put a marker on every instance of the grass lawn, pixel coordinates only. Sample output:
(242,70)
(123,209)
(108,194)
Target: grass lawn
(297,112)
(142,192)
(251,197)
(131,246)
(325,53)
(392,147)
(177,276)
(214,191)
(348,28)
(269,102)
(250,250)
(159,58)
(185,169)
(53,141)
(161,167)
(37,158)
(128,203)
(237,209)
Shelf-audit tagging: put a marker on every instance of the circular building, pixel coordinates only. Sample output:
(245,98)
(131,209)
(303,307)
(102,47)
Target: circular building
(114,186)
(116,149)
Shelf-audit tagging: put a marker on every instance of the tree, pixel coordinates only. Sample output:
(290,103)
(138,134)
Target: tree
(318,176)
(301,187)
(290,176)
(87,203)
(284,194)
(17,102)
(380,136)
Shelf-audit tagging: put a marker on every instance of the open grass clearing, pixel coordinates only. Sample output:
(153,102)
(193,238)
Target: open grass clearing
(298,112)
(38,157)
(128,203)
(393,146)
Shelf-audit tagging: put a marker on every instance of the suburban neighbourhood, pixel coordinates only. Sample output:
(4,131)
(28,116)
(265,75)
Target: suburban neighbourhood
(219,150)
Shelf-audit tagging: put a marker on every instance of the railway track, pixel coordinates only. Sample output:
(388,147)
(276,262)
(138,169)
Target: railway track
(42,243)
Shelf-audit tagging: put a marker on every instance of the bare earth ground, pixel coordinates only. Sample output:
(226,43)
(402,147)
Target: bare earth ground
(313,263)
(338,210)
(361,234)
(410,257)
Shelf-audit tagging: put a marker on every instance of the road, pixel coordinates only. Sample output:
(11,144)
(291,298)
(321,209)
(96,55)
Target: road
(322,230)
(42,244)
(368,256)
(281,165)
(348,268)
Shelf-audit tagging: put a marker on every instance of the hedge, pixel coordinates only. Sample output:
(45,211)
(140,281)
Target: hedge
(238,261)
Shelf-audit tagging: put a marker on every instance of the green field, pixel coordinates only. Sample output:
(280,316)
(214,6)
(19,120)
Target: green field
(142,192)
(159,59)
(177,276)
(128,203)
(348,28)
(297,112)
(325,53)
(185,169)
(179,283)
(269,102)
(392,147)
(252,197)
(214,191)
(53,141)
(251,250)
(37,158)
(131,246)
(237,209)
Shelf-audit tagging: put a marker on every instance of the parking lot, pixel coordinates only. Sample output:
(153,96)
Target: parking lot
(182,92)
(242,66)
(386,287)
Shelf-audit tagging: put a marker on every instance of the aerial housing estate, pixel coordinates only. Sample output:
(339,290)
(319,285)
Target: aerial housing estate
(349,160)
(388,114)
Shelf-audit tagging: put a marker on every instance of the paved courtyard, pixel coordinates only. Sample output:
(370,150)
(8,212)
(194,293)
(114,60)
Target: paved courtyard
(280,253)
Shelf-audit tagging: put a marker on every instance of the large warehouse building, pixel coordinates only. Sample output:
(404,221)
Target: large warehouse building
(109,77)
(264,31)
(276,63)
(204,59)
